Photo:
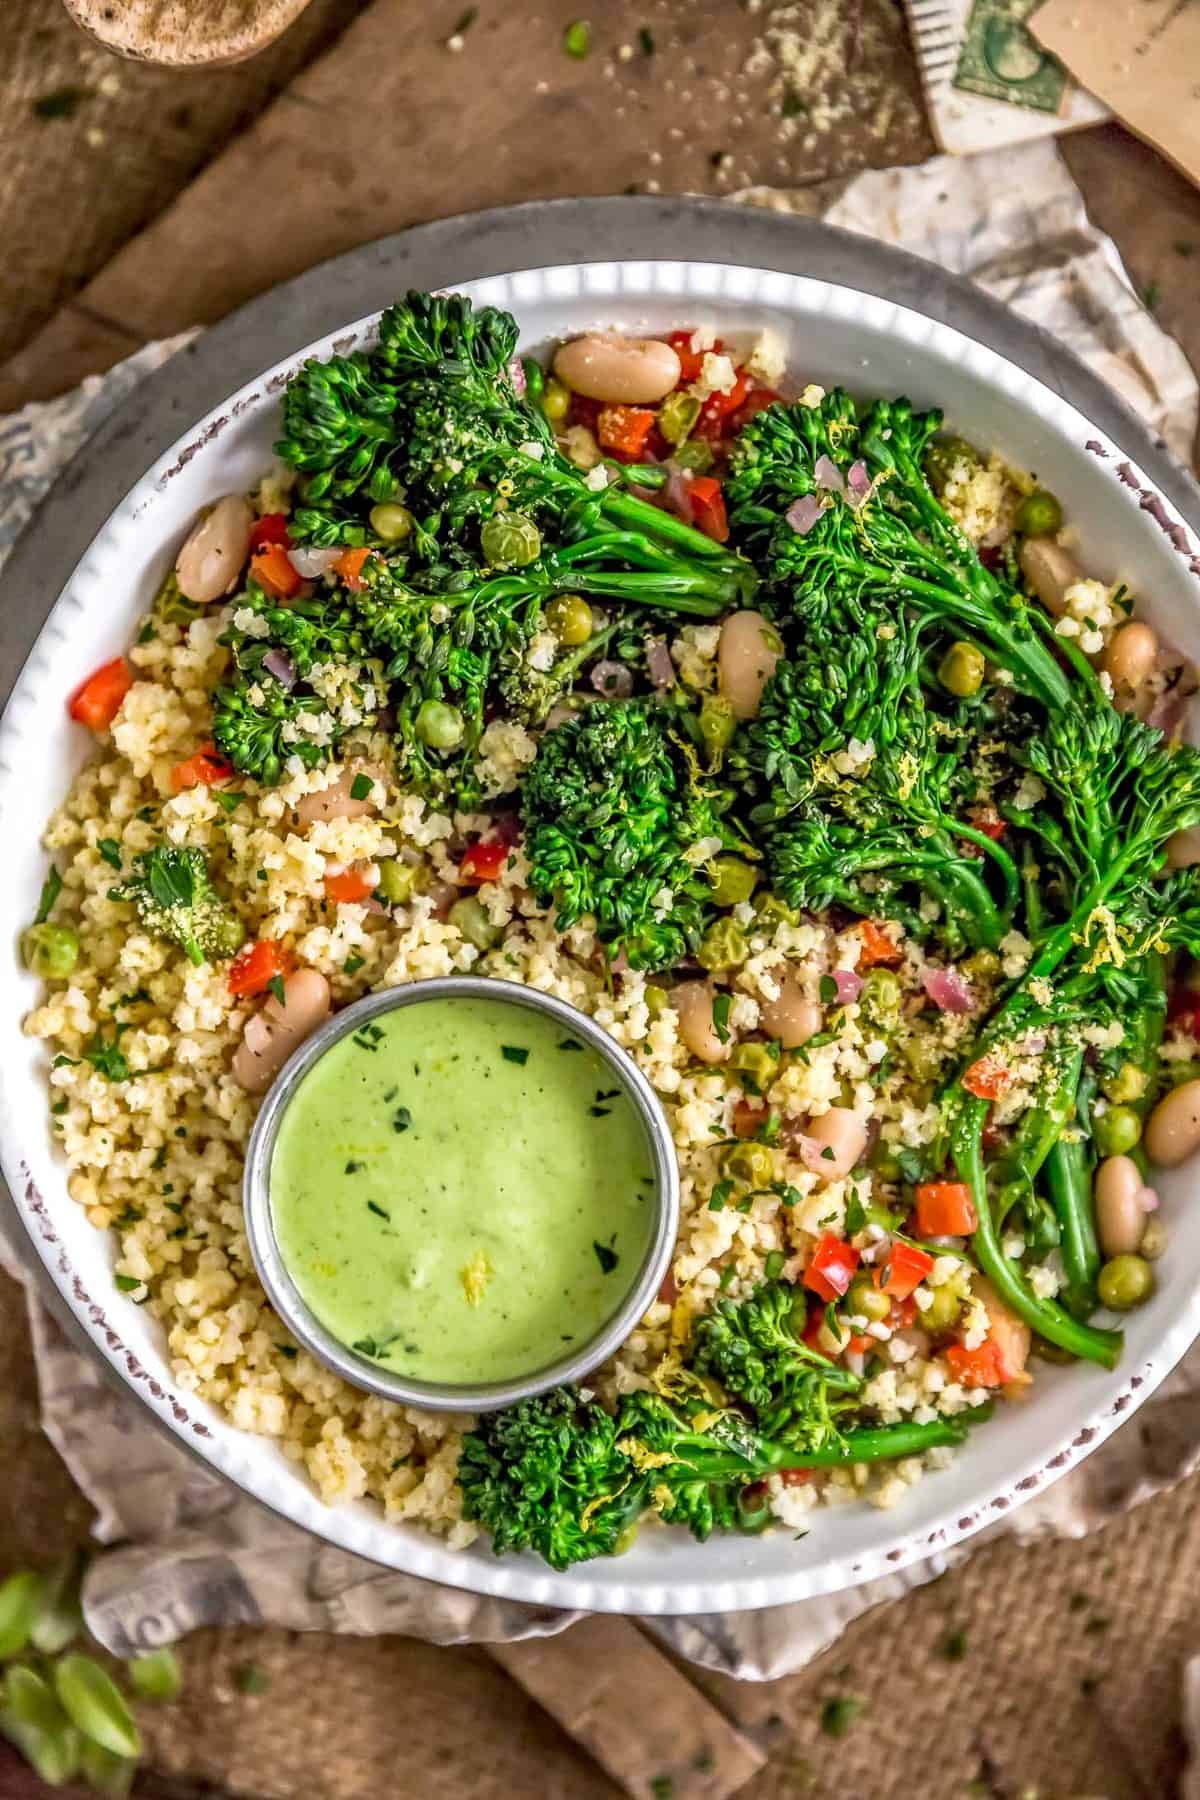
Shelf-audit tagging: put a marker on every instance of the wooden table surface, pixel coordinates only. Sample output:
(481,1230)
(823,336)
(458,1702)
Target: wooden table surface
(135,202)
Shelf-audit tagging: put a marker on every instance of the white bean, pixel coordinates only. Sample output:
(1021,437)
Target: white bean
(1173,1128)
(1050,571)
(618,370)
(792,1018)
(1183,850)
(841,1131)
(215,553)
(336,801)
(272,1034)
(746,657)
(693,1002)
(1131,655)
(1120,1215)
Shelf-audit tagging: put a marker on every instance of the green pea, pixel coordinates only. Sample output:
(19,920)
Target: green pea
(751,1164)
(942,1312)
(920,1057)
(732,880)
(717,725)
(570,619)
(758,1062)
(511,540)
(943,456)
(657,1000)
(961,670)
(439,725)
(1039,514)
(556,400)
(696,455)
(981,965)
(470,917)
(392,522)
(50,951)
(1129,1083)
(156,1675)
(397,881)
(723,946)
(1125,1282)
(865,1301)
(884,1164)
(880,998)
(1116,1131)
(677,415)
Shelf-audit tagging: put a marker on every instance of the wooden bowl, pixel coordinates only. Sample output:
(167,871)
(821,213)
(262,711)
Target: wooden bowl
(185,33)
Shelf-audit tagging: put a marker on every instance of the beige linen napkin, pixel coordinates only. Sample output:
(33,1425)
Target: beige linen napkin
(186,1549)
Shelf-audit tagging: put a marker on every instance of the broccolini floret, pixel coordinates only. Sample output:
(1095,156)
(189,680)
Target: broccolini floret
(175,899)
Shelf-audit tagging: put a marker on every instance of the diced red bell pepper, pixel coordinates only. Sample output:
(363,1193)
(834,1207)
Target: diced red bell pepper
(349,567)
(708,508)
(206,767)
(349,886)
(905,1269)
(689,360)
(748,1115)
(719,409)
(832,1267)
(987,1078)
(877,946)
(584,411)
(976,1368)
(902,1315)
(272,528)
(625,430)
(945,1209)
(988,820)
(257,965)
(484,862)
(756,401)
(271,567)
(97,703)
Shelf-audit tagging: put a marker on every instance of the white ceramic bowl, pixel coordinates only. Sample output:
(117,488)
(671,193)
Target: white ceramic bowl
(835,334)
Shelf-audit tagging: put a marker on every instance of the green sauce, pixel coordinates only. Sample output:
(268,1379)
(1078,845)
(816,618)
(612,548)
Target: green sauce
(460,1191)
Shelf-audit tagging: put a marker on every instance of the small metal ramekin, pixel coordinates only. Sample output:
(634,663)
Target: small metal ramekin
(286,1298)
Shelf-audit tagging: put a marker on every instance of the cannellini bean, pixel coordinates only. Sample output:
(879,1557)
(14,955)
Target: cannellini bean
(336,801)
(1010,1334)
(619,370)
(1120,1215)
(1131,655)
(215,554)
(1050,571)
(746,657)
(272,1034)
(792,1019)
(1173,1128)
(840,1130)
(693,1002)
(1184,848)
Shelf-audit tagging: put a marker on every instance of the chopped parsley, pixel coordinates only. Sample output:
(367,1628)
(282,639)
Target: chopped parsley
(401,1119)
(720,1014)
(275,986)
(606,1257)
(719,1196)
(353,963)
(514,1053)
(226,801)
(360,787)
(110,850)
(570,1044)
(378,1210)
(51,889)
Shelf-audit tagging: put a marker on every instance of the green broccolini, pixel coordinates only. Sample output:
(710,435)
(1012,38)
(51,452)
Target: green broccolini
(175,899)
(619,825)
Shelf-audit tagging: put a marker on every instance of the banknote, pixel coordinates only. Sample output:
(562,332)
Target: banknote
(1001,59)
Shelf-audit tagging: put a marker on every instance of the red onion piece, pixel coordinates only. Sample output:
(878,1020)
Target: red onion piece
(849,985)
(613,680)
(827,475)
(310,560)
(676,496)
(803,514)
(948,990)
(516,374)
(279,664)
(858,483)
(658,663)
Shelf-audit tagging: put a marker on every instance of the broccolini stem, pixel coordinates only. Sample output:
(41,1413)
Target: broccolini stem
(998,854)
(1035,1137)
(1069,1179)
(1049,1320)
(880,1442)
